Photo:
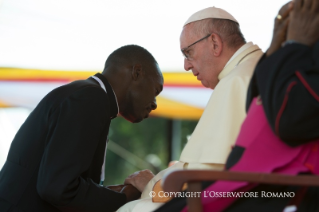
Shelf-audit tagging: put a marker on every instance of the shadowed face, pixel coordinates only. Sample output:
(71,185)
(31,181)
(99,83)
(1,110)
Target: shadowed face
(201,60)
(141,98)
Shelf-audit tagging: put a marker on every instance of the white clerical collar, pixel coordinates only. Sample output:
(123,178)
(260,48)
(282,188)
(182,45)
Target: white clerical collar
(118,109)
(103,87)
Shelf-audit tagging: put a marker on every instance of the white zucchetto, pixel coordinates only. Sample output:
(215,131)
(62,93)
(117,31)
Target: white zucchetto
(210,12)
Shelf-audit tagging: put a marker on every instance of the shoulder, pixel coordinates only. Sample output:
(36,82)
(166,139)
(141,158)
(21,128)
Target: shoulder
(245,69)
(80,88)
(89,101)
(81,92)
(254,57)
(248,63)
(239,75)
(249,60)
(88,92)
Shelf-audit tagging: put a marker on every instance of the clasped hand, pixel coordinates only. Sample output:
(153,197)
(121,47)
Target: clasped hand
(298,22)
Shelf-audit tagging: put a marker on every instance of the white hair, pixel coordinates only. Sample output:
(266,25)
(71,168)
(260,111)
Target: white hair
(228,30)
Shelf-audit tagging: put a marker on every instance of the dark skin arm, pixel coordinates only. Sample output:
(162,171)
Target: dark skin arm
(133,185)
(130,191)
(280,29)
(139,179)
(304,22)
(299,23)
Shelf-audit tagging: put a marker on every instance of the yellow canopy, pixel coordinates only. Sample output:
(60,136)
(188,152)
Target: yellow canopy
(183,97)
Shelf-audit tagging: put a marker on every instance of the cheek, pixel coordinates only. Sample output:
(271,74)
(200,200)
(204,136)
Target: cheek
(208,66)
(137,101)
(142,97)
(203,68)
(202,64)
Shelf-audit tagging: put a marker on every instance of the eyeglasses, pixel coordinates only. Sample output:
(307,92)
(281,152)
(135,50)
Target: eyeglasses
(184,50)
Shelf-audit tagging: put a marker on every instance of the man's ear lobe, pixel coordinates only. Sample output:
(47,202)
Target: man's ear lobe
(217,44)
(137,72)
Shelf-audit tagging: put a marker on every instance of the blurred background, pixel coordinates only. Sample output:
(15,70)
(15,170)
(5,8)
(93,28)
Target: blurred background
(47,43)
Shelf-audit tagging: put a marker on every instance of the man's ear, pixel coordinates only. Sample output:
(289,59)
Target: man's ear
(217,44)
(137,72)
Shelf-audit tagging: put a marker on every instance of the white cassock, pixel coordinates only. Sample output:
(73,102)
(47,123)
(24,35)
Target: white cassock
(217,129)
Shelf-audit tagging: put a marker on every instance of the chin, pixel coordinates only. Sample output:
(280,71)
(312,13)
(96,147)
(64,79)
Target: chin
(205,84)
(133,119)
(137,120)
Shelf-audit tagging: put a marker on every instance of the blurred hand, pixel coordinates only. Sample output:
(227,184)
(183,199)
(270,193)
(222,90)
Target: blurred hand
(117,188)
(280,29)
(139,179)
(304,22)
(131,193)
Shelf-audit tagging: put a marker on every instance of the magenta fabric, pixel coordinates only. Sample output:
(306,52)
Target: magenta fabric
(264,152)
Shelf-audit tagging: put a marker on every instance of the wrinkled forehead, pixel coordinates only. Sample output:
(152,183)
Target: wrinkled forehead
(187,35)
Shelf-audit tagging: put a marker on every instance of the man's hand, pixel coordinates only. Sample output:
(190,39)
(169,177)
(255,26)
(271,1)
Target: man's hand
(304,22)
(280,28)
(131,193)
(117,188)
(139,179)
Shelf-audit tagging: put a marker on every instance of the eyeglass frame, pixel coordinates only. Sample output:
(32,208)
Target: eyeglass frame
(183,49)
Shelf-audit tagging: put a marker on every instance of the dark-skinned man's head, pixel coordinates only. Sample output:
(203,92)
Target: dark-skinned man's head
(136,80)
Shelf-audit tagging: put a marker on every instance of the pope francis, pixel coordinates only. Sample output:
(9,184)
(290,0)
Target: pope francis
(217,53)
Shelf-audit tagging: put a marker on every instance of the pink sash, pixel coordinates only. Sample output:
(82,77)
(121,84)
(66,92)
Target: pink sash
(264,152)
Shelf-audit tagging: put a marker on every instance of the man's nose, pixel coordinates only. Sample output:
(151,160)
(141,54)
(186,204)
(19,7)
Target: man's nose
(187,65)
(154,104)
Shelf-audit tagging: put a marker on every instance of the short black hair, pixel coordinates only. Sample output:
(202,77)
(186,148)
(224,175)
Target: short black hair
(129,54)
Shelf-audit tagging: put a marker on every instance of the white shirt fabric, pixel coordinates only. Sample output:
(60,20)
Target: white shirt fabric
(102,177)
(240,50)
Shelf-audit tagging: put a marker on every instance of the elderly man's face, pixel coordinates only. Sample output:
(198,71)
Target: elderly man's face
(201,59)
